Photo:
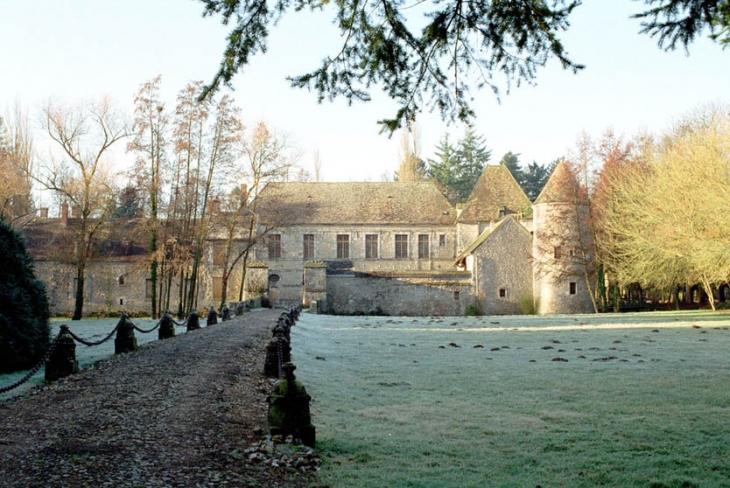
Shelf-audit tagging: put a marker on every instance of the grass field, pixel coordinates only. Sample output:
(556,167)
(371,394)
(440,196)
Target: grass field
(602,400)
(91,330)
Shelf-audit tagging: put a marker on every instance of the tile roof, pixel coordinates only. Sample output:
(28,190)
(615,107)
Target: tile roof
(496,190)
(354,203)
(561,187)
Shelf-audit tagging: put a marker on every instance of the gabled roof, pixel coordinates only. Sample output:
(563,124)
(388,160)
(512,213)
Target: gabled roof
(497,190)
(503,224)
(354,203)
(562,187)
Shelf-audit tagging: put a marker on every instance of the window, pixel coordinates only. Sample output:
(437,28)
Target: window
(274,243)
(557,252)
(371,246)
(219,253)
(401,246)
(308,246)
(121,280)
(217,288)
(343,246)
(442,240)
(456,295)
(121,301)
(572,287)
(423,246)
(502,293)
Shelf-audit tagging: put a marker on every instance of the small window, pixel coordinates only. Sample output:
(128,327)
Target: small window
(423,246)
(121,301)
(572,287)
(371,246)
(308,246)
(502,293)
(121,281)
(343,246)
(571,252)
(557,252)
(456,295)
(442,240)
(274,244)
(401,246)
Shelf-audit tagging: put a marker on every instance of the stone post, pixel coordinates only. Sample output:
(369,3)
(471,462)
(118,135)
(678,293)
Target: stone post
(278,345)
(193,321)
(167,326)
(125,340)
(225,313)
(212,317)
(289,409)
(63,358)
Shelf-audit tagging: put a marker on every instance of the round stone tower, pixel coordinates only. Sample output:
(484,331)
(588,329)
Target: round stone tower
(562,247)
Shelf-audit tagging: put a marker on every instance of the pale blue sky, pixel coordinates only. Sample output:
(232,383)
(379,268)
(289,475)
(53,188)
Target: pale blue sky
(83,49)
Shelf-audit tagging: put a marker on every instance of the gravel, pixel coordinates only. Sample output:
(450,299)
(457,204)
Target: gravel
(187,411)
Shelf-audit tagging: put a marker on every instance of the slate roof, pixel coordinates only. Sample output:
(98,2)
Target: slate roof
(419,203)
(562,187)
(496,190)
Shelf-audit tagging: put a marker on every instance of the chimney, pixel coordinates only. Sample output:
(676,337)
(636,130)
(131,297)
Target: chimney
(215,206)
(64,213)
(43,212)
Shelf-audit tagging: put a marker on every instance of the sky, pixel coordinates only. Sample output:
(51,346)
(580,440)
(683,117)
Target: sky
(82,50)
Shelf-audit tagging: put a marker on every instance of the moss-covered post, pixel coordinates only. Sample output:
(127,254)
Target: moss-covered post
(278,352)
(63,358)
(289,409)
(125,340)
(167,326)
(193,321)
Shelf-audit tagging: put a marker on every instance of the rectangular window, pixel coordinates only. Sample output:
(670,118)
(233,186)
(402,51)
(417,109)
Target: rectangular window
(557,252)
(572,287)
(217,288)
(371,246)
(343,246)
(423,251)
(219,253)
(401,246)
(442,240)
(308,246)
(274,243)
(502,293)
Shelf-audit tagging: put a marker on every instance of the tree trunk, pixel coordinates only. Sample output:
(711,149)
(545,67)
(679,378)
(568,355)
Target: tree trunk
(79,303)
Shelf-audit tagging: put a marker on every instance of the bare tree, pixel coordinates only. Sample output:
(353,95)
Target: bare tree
(84,135)
(266,157)
(317,166)
(16,165)
(411,167)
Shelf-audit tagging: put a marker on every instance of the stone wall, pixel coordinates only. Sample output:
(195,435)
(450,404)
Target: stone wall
(353,294)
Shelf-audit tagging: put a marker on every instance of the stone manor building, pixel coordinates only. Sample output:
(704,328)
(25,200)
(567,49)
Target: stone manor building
(368,248)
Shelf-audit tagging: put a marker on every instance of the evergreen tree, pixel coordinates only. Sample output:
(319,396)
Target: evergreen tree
(534,179)
(472,156)
(24,311)
(442,169)
(512,161)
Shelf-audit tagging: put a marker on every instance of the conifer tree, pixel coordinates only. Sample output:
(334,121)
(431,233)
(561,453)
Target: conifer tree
(24,312)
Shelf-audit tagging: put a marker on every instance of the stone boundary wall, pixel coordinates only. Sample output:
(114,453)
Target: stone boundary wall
(349,294)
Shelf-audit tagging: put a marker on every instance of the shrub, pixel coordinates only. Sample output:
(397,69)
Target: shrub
(527,305)
(24,311)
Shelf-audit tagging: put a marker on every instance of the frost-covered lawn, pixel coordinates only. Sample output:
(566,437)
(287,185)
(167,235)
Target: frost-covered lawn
(611,400)
(92,330)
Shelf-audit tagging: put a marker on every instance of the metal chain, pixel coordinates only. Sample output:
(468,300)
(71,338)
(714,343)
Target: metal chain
(89,343)
(33,371)
(146,331)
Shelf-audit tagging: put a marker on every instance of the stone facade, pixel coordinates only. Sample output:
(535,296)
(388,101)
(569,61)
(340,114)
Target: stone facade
(365,248)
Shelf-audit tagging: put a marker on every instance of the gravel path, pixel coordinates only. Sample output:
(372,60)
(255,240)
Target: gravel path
(178,412)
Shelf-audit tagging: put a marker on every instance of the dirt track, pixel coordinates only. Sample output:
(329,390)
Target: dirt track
(178,412)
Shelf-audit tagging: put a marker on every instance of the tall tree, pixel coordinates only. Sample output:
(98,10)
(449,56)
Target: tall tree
(512,161)
(150,126)
(16,165)
(84,134)
(534,179)
(411,166)
(443,168)
(472,156)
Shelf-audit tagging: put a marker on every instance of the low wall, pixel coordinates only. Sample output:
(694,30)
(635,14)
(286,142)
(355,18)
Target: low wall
(353,294)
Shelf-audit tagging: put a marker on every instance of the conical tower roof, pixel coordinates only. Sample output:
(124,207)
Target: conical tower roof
(497,190)
(562,187)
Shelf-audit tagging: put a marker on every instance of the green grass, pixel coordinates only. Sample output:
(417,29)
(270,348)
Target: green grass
(642,400)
